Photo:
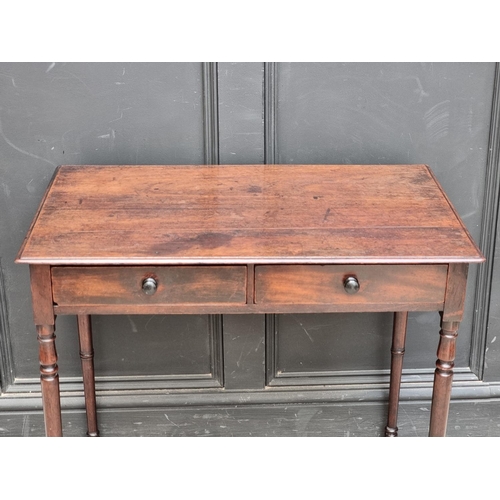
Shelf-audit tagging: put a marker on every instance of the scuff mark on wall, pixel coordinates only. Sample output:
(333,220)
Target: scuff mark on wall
(12,145)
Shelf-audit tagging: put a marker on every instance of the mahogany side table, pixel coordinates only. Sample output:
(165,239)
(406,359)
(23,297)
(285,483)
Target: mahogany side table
(246,239)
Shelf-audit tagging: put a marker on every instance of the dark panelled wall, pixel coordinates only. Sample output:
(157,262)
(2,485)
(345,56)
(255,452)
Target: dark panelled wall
(443,114)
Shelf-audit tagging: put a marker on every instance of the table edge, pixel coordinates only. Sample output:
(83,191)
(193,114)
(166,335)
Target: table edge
(248,261)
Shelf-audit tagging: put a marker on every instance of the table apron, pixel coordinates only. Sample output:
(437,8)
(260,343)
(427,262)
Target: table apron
(248,289)
(243,309)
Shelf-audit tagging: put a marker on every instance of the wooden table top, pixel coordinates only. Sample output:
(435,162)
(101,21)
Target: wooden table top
(193,214)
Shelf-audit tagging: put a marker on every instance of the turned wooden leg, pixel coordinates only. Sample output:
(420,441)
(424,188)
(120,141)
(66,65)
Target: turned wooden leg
(43,314)
(49,379)
(397,353)
(443,377)
(87,357)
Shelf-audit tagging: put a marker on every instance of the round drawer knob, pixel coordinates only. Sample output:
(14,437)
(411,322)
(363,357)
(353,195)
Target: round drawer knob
(149,286)
(351,285)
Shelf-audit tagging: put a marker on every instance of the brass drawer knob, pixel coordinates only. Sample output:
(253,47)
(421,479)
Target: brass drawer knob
(351,285)
(149,286)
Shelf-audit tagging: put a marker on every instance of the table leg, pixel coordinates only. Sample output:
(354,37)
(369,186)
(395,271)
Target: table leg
(397,353)
(87,357)
(443,378)
(49,378)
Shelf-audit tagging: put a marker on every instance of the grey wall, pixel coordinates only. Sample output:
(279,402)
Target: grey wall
(189,113)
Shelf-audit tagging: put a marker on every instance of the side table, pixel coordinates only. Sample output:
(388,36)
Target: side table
(194,239)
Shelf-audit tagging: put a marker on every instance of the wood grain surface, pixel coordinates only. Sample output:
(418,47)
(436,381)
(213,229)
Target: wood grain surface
(246,213)
(310,284)
(123,285)
(41,295)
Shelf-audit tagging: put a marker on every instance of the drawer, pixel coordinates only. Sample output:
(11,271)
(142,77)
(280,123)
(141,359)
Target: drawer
(140,285)
(369,285)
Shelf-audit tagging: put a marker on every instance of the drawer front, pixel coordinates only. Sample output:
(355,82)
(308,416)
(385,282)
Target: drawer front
(330,284)
(165,285)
